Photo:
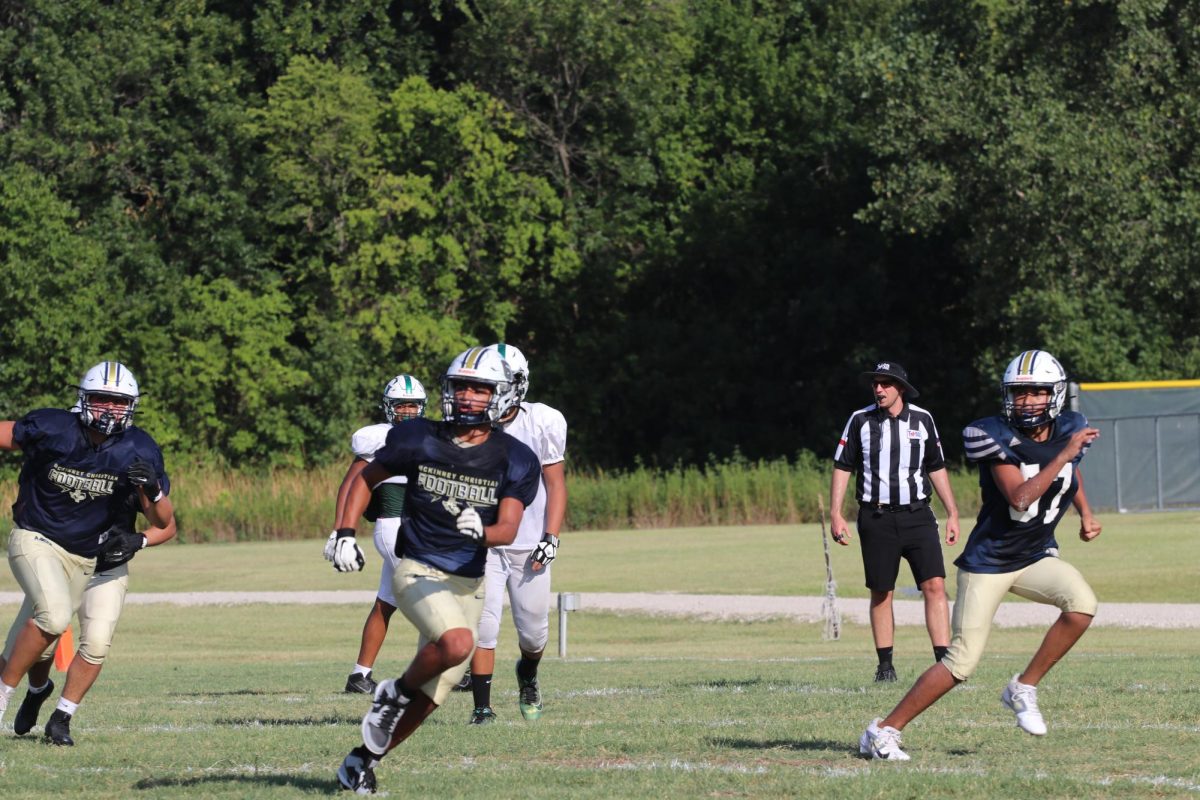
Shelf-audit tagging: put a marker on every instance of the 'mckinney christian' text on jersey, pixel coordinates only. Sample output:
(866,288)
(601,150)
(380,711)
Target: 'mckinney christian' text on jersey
(71,491)
(544,430)
(892,455)
(443,478)
(1004,539)
(387,498)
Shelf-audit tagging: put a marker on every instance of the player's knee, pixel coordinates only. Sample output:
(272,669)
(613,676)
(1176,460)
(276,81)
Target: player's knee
(934,588)
(962,665)
(456,646)
(533,642)
(53,621)
(94,652)
(489,633)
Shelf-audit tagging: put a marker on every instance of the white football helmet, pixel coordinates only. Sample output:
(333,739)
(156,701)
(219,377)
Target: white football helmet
(520,370)
(108,378)
(400,390)
(478,365)
(1034,368)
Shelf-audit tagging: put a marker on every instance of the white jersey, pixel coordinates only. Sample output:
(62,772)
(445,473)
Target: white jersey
(544,430)
(365,442)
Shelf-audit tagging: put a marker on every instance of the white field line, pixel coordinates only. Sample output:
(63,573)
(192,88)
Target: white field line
(713,606)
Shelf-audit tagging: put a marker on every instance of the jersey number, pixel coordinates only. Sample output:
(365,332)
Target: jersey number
(1055,495)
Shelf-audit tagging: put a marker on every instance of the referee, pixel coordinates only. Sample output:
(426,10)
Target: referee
(894,447)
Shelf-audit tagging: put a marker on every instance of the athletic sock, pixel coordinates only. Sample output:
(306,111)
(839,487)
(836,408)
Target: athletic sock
(6,692)
(402,688)
(369,758)
(67,707)
(527,668)
(939,652)
(481,688)
(885,656)
(359,669)
(40,689)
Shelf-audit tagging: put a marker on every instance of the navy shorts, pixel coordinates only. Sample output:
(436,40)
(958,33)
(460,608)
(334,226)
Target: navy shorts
(888,536)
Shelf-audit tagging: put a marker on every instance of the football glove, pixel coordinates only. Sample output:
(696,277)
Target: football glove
(470,524)
(331,542)
(120,546)
(546,550)
(347,555)
(141,473)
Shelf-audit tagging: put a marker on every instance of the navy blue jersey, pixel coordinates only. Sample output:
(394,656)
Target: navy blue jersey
(443,478)
(1005,539)
(70,490)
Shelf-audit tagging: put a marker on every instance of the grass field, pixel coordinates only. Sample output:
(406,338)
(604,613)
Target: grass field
(244,701)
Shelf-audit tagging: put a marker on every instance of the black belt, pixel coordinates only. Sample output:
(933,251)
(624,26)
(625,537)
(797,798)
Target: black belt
(894,507)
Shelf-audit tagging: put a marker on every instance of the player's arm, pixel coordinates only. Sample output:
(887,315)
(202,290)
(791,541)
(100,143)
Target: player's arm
(158,510)
(6,436)
(508,519)
(941,484)
(352,472)
(156,535)
(837,496)
(1022,493)
(554,476)
(1089,526)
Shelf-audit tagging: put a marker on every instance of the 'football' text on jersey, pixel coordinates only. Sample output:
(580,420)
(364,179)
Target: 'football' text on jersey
(70,490)
(443,478)
(1005,539)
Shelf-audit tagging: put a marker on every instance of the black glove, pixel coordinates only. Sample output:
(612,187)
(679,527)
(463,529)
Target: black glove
(120,546)
(142,473)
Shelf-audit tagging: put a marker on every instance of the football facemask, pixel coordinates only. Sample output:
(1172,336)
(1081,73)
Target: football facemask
(108,396)
(403,390)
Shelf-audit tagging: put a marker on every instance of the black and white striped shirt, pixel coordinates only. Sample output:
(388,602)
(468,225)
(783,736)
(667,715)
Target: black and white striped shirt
(893,456)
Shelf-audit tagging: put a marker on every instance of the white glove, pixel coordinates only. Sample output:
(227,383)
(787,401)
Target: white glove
(347,555)
(329,545)
(546,550)
(469,524)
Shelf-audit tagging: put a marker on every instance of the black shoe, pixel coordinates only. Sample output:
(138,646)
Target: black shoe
(58,729)
(464,685)
(358,683)
(483,716)
(885,673)
(27,714)
(356,775)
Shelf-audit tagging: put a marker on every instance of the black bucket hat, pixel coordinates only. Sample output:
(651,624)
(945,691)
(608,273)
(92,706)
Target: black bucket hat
(890,369)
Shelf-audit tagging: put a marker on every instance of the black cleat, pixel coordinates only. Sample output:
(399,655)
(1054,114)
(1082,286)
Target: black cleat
(358,683)
(356,774)
(58,729)
(27,714)
(463,685)
(483,716)
(885,673)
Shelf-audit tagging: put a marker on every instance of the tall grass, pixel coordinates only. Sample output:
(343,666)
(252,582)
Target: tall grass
(220,505)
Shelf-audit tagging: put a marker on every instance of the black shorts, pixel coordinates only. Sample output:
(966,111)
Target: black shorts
(887,536)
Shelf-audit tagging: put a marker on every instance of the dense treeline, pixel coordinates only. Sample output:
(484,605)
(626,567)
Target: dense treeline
(699,218)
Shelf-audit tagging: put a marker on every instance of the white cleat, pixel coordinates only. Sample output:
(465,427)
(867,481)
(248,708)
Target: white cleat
(1021,699)
(881,743)
(380,722)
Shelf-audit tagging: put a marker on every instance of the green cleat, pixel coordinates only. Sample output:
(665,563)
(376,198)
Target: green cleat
(530,700)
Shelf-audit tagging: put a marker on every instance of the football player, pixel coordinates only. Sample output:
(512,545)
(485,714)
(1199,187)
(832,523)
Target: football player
(103,602)
(80,467)
(403,398)
(1028,459)
(523,568)
(468,486)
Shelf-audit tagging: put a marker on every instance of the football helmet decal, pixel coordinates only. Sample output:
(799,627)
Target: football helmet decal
(1033,369)
(520,370)
(100,385)
(401,390)
(479,365)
